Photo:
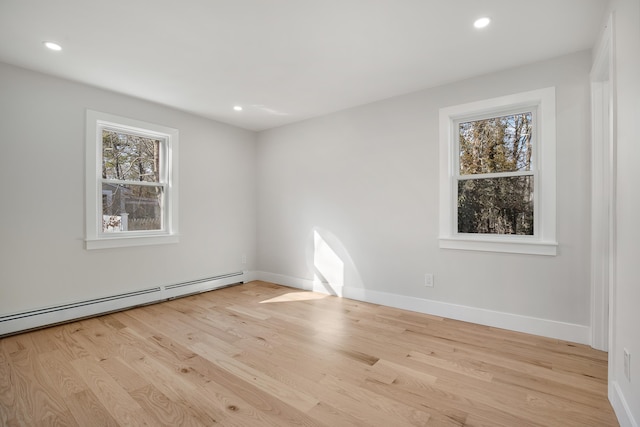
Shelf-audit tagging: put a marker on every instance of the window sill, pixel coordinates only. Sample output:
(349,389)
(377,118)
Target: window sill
(529,247)
(129,241)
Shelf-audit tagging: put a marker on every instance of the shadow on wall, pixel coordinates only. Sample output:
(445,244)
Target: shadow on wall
(331,265)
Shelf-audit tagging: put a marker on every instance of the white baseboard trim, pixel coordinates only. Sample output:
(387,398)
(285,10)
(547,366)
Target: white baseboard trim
(531,325)
(31,319)
(620,406)
(299,283)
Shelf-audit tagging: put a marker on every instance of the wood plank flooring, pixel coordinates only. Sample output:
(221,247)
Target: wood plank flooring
(260,354)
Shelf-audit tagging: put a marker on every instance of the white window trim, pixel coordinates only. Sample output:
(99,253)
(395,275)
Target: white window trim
(543,242)
(95,239)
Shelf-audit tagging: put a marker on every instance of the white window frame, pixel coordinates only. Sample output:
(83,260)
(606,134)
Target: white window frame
(543,105)
(169,137)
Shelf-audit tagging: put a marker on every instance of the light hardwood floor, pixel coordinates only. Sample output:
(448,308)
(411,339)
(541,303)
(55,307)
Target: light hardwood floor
(261,354)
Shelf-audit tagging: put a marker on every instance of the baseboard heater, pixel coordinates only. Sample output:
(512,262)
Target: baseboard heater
(32,319)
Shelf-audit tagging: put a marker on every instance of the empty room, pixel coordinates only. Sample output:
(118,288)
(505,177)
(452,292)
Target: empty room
(319,213)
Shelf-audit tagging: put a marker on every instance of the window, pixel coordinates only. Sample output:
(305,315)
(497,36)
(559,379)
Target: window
(494,175)
(131,186)
(497,189)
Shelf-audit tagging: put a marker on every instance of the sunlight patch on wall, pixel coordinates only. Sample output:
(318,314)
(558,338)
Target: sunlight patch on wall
(329,268)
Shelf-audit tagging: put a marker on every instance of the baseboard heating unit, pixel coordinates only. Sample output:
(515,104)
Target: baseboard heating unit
(26,320)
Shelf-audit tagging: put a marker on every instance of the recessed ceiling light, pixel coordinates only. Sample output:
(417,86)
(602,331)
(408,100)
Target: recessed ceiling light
(482,22)
(53,46)
(237,108)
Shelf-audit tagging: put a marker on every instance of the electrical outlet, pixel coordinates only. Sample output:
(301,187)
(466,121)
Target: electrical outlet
(627,364)
(244,259)
(428,280)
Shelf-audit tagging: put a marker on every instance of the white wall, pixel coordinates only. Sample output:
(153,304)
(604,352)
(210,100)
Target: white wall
(367,178)
(42,259)
(626,298)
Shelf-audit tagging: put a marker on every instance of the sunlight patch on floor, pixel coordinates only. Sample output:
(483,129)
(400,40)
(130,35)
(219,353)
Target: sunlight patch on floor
(295,296)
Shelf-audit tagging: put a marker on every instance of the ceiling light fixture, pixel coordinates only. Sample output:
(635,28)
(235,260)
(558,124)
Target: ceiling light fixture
(53,46)
(237,108)
(482,22)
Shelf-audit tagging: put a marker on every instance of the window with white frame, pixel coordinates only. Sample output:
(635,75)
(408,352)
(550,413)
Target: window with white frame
(131,182)
(497,180)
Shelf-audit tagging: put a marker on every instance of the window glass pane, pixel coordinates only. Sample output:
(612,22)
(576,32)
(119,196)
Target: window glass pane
(130,157)
(497,144)
(131,208)
(496,205)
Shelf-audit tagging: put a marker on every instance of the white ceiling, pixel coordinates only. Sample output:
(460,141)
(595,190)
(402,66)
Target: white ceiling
(286,60)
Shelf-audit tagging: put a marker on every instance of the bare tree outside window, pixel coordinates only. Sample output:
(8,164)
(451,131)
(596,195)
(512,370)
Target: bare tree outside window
(131,185)
(495,183)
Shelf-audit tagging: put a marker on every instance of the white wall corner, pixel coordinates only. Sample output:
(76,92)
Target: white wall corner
(531,325)
(250,276)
